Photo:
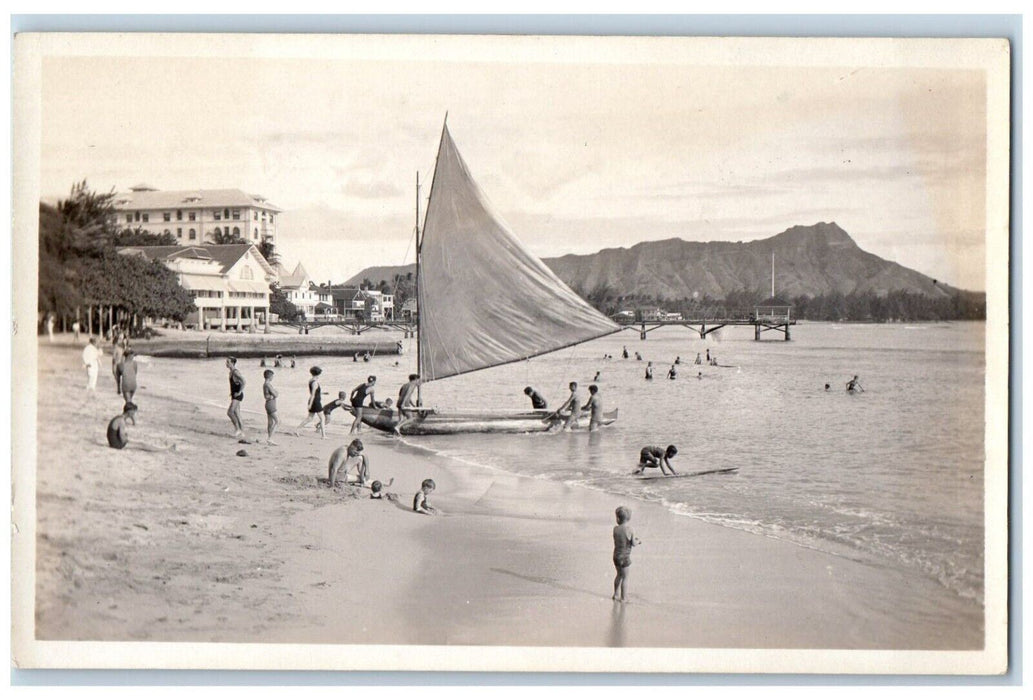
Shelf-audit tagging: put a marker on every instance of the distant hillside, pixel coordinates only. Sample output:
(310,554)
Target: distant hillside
(809,260)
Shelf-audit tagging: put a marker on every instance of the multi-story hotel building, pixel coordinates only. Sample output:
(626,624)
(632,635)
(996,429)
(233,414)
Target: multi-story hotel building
(196,216)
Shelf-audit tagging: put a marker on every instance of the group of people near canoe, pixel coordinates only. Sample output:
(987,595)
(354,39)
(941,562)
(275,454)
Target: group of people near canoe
(572,408)
(362,396)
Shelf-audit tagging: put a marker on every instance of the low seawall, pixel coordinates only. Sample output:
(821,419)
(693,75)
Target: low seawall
(218,345)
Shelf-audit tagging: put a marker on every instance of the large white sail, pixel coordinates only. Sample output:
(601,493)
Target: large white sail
(484,299)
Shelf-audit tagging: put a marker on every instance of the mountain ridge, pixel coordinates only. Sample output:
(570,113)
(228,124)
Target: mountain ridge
(809,261)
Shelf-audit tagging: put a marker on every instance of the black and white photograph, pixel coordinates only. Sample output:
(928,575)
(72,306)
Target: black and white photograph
(511,353)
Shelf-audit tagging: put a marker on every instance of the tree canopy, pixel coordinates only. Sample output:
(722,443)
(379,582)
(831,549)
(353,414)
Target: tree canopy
(78,263)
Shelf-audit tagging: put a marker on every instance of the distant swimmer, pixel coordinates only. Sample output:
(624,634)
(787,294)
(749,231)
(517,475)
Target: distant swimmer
(278,362)
(649,370)
(708,354)
(699,375)
(672,373)
(638,356)
(596,377)
(677,360)
(594,406)
(292,362)
(624,352)
(699,360)
(854,385)
(261,363)
(827,386)
(352,461)
(538,401)
(365,357)
(653,457)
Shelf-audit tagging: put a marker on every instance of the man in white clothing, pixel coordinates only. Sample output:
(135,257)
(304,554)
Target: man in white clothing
(91,361)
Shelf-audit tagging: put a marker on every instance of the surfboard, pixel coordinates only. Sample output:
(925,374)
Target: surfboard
(726,470)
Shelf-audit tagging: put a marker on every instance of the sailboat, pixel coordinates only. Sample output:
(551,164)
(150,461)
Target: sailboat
(484,300)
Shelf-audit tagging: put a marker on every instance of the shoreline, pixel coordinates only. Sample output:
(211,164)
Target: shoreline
(149,546)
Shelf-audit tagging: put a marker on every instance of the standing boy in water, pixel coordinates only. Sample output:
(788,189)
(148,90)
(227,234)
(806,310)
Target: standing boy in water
(623,540)
(236,396)
(573,404)
(595,407)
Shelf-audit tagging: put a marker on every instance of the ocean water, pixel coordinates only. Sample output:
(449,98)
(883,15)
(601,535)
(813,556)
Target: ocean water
(892,476)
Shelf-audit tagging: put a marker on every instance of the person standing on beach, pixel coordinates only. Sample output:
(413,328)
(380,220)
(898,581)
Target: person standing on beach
(649,370)
(50,327)
(270,394)
(572,404)
(699,360)
(75,330)
(595,407)
(91,355)
(672,373)
(236,396)
(358,398)
(126,375)
(315,403)
(538,401)
(624,352)
(117,353)
(352,461)
(623,540)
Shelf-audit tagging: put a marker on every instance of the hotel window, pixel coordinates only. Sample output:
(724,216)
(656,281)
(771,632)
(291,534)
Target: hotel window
(217,214)
(167,215)
(226,213)
(236,230)
(179,215)
(137,215)
(193,235)
(236,214)
(218,231)
(270,218)
(256,234)
(179,233)
(146,218)
(256,216)
(192,216)
(129,218)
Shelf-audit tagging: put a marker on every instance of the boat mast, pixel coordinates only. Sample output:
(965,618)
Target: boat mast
(419,336)
(772,275)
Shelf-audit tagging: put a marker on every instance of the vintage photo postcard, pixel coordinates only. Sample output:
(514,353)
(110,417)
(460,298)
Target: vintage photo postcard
(511,353)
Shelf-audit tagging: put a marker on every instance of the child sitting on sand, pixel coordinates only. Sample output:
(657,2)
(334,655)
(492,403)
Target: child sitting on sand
(623,540)
(419,501)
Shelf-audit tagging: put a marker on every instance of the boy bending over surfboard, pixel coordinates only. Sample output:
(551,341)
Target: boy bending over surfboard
(652,457)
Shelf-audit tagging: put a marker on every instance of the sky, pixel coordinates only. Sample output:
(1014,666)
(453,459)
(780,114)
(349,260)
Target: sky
(578,145)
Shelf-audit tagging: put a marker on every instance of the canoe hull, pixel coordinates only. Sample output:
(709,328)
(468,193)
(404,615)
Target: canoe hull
(434,422)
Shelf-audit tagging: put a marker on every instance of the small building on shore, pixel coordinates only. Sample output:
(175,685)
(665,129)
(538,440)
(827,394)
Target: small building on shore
(229,283)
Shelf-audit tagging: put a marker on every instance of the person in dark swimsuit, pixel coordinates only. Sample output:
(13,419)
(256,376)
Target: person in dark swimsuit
(127,370)
(538,401)
(649,371)
(358,398)
(315,404)
(270,395)
(236,396)
(118,433)
(339,402)
(652,457)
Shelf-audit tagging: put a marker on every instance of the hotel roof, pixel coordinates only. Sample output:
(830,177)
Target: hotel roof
(140,198)
(225,255)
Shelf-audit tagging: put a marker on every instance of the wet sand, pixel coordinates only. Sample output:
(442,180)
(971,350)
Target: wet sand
(202,545)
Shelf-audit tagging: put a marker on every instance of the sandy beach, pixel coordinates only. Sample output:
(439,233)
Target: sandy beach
(202,545)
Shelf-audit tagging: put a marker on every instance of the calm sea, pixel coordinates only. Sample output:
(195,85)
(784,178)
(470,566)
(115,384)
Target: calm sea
(892,476)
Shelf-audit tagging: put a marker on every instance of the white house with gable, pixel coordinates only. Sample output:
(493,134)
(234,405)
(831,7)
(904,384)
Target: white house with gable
(229,283)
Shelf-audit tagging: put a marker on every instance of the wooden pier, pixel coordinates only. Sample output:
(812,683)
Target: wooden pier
(707,325)
(354,326)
